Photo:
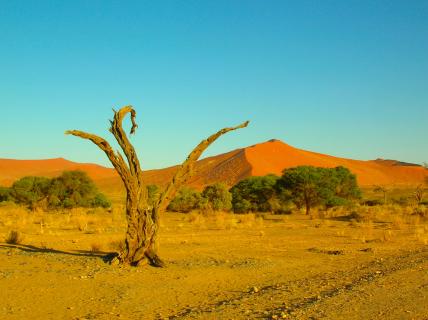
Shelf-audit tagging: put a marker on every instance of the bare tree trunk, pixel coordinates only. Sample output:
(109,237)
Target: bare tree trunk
(143,219)
(308,209)
(307,203)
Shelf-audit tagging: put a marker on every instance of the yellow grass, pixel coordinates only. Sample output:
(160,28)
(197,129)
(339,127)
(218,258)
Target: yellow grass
(211,258)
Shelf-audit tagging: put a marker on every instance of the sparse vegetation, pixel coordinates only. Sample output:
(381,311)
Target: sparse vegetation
(14,237)
(186,200)
(96,247)
(217,197)
(4,194)
(383,190)
(232,244)
(71,189)
(419,194)
(259,194)
(311,186)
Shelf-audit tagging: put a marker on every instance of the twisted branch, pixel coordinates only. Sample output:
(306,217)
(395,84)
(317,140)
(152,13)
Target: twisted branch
(114,157)
(184,173)
(121,137)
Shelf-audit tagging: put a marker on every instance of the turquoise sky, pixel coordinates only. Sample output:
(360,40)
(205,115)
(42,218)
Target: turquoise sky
(347,78)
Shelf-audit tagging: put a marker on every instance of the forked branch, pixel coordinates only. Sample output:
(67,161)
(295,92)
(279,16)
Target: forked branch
(117,130)
(115,158)
(184,172)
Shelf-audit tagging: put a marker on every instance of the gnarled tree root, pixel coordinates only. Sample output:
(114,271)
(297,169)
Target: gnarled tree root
(151,259)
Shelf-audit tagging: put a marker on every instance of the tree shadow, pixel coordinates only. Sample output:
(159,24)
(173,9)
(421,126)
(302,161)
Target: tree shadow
(357,218)
(105,256)
(348,218)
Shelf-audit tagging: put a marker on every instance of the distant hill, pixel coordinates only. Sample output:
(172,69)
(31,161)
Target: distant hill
(11,170)
(260,159)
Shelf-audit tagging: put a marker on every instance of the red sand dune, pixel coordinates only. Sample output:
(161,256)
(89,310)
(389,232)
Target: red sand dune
(269,157)
(11,170)
(274,156)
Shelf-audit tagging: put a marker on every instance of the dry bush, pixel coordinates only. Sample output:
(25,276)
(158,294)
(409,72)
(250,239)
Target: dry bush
(196,219)
(96,247)
(367,231)
(247,219)
(421,234)
(421,211)
(399,216)
(14,237)
(224,221)
(80,223)
(387,235)
(398,222)
(89,222)
(117,245)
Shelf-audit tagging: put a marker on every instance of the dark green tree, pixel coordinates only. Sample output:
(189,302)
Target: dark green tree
(75,189)
(31,191)
(343,185)
(5,194)
(71,189)
(218,197)
(186,200)
(311,186)
(304,184)
(256,194)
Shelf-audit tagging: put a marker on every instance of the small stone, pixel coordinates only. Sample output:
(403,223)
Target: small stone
(255,290)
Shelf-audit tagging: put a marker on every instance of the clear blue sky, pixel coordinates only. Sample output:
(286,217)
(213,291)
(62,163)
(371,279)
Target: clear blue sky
(347,78)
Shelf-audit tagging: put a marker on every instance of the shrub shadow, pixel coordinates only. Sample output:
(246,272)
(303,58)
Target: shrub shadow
(105,256)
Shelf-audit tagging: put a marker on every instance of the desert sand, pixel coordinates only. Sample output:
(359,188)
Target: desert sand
(218,267)
(364,263)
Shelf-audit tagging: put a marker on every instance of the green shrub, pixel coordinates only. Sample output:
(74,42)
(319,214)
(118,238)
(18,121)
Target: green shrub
(31,191)
(258,194)
(71,189)
(309,186)
(217,197)
(4,194)
(186,200)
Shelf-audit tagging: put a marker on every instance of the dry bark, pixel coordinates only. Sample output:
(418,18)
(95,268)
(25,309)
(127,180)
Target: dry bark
(143,219)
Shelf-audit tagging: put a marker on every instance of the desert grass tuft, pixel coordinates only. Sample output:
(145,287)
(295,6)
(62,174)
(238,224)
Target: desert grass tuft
(96,247)
(196,219)
(14,237)
(117,245)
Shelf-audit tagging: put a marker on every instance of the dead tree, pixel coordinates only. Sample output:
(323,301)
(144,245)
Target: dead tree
(383,190)
(143,218)
(419,194)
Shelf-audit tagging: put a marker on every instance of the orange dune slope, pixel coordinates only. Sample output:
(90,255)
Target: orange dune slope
(274,156)
(12,170)
(261,159)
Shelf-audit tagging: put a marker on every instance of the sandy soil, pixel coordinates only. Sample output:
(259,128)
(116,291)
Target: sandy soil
(276,268)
